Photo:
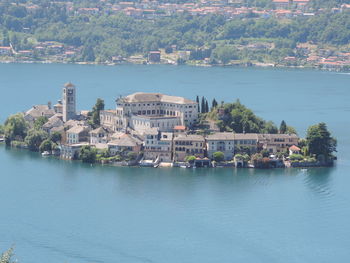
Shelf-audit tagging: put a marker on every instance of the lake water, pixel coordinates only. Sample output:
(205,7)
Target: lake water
(58,211)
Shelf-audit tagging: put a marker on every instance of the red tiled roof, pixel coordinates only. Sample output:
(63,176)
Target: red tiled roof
(294,148)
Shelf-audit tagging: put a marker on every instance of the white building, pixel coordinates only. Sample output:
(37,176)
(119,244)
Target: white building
(158,145)
(141,111)
(221,142)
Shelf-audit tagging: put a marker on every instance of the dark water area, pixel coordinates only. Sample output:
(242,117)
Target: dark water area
(60,211)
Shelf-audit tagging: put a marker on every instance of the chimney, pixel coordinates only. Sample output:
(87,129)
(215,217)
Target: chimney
(49,105)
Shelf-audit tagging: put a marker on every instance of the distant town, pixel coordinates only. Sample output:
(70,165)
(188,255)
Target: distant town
(26,42)
(158,130)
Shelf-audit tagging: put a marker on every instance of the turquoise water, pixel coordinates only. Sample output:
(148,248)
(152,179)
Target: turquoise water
(60,211)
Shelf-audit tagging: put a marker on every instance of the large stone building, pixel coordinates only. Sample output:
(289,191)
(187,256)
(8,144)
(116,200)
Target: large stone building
(142,111)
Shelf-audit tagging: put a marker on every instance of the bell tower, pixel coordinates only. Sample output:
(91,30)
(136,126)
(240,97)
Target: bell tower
(69,102)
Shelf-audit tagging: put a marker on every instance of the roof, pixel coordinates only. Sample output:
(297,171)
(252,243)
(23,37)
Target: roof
(155,97)
(180,127)
(221,136)
(294,148)
(190,137)
(125,140)
(99,130)
(69,85)
(278,136)
(246,136)
(152,131)
(40,110)
(54,120)
(77,129)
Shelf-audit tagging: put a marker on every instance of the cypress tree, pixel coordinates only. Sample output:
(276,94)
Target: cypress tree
(206,106)
(197,100)
(214,103)
(203,105)
(283,127)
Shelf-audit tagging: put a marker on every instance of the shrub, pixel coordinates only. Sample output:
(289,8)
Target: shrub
(218,156)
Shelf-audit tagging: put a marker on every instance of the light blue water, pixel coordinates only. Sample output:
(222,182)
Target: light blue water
(58,211)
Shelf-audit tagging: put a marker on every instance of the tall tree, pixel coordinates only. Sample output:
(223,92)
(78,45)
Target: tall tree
(214,103)
(283,127)
(206,106)
(319,141)
(203,105)
(100,105)
(197,100)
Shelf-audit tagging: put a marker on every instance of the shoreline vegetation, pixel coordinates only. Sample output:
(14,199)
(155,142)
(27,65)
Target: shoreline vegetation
(223,135)
(263,33)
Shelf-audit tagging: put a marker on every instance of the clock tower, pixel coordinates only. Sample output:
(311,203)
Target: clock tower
(69,102)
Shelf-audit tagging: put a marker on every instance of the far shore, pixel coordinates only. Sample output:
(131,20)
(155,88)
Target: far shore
(257,65)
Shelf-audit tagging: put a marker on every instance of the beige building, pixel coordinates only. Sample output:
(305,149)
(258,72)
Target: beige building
(141,111)
(77,134)
(277,142)
(158,145)
(221,142)
(123,144)
(38,111)
(246,141)
(185,145)
(99,136)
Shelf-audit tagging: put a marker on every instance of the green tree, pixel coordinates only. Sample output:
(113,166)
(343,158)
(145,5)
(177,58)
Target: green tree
(203,105)
(100,105)
(39,122)
(56,137)
(320,142)
(197,100)
(283,127)
(218,156)
(214,103)
(206,106)
(87,154)
(34,139)
(190,158)
(46,145)
(15,128)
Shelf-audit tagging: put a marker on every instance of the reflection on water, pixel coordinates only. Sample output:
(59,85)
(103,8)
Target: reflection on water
(319,180)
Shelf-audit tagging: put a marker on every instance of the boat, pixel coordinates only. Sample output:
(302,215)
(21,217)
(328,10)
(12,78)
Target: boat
(45,153)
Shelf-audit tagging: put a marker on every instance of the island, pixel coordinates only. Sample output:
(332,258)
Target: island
(158,130)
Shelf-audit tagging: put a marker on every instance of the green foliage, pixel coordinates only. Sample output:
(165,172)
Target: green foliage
(46,145)
(6,257)
(100,105)
(242,157)
(131,156)
(15,128)
(211,36)
(39,122)
(283,127)
(87,154)
(55,137)
(265,153)
(320,142)
(34,139)
(190,158)
(214,103)
(240,119)
(296,157)
(2,129)
(218,156)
